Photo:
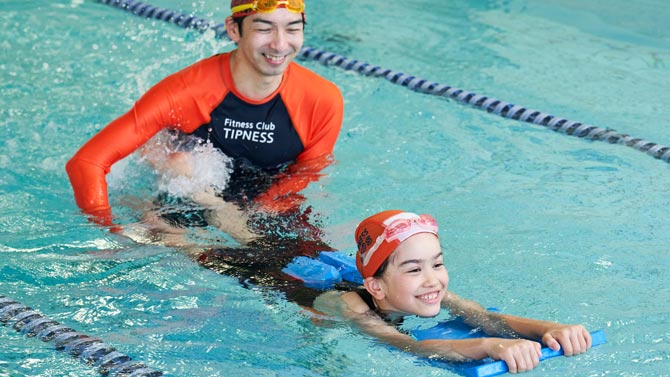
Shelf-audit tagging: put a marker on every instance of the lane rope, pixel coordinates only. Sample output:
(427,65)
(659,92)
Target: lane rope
(481,102)
(89,350)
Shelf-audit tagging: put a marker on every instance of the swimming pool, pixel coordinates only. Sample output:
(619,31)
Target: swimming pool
(533,222)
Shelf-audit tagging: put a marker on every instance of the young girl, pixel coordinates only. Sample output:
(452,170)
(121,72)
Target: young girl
(400,259)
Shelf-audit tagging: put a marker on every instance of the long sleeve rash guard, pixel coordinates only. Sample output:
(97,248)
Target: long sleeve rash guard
(299,122)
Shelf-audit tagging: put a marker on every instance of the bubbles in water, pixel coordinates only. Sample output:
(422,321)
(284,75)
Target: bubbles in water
(185,164)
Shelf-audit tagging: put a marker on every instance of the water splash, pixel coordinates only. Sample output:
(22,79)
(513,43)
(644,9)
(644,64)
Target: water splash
(185,165)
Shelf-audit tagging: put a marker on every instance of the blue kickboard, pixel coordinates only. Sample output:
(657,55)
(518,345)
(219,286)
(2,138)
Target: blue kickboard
(458,329)
(334,266)
(496,368)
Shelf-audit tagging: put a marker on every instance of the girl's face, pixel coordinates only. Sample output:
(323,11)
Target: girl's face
(415,280)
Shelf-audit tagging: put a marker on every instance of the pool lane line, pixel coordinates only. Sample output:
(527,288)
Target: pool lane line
(91,351)
(481,102)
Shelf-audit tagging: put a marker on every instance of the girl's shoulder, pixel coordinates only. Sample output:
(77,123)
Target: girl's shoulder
(354,302)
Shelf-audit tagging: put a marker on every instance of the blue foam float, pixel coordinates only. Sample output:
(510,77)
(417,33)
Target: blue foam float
(457,329)
(332,267)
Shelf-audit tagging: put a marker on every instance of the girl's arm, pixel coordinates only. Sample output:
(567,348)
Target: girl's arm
(519,354)
(574,339)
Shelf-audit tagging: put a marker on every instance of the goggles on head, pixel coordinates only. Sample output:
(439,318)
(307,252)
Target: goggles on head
(401,229)
(267,6)
(397,229)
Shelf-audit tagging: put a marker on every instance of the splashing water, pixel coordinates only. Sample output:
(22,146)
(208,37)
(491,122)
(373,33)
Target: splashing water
(185,164)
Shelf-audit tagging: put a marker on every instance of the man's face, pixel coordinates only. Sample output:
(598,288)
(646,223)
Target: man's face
(270,41)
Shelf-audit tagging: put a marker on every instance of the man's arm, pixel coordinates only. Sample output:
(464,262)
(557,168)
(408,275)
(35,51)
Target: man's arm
(318,124)
(89,166)
(169,103)
(284,194)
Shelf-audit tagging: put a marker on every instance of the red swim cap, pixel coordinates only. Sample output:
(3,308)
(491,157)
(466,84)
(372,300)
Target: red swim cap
(241,8)
(379,235)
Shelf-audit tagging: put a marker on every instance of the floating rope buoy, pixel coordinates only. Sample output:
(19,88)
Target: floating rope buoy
(481,102)
(92,351)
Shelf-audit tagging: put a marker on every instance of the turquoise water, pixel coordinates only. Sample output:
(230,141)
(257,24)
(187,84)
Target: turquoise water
(533,222)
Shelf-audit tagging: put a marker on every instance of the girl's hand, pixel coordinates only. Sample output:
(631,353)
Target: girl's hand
(519,354)
(574,339)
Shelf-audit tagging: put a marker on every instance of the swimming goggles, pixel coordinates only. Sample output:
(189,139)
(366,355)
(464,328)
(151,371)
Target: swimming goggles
(399,228)
(403,228)
(267,6)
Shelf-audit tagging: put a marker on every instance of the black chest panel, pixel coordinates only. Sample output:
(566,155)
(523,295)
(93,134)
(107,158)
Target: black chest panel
(263,134)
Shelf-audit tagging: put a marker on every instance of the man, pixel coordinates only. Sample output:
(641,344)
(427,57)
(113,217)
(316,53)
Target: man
(276,120)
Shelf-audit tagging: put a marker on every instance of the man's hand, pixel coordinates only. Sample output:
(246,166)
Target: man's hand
(225,216)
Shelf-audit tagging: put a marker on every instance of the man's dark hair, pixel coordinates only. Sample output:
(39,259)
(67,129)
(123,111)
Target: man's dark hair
(238,22)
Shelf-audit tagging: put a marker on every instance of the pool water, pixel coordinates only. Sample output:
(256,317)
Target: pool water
(533,222)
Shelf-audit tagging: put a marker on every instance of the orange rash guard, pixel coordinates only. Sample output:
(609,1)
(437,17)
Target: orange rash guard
(299,122)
